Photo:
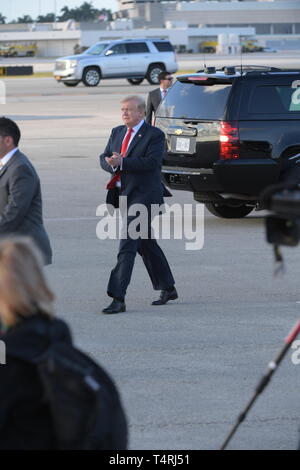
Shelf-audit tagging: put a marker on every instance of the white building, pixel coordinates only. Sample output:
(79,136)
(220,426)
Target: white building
(277,21)
(59,39)
(52,39)
(185,23)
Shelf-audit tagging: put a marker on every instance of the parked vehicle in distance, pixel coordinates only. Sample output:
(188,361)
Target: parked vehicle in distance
(251,45)
(18,49)
(269,49)
(229,134)
(133,59)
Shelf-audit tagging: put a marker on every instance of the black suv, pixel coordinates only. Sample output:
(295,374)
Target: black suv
(230,134)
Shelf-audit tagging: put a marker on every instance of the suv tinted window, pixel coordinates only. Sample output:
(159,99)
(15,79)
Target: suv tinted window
(96,49)
(135,47)
(117,49)
(185,100)
(163,46)
(281,99)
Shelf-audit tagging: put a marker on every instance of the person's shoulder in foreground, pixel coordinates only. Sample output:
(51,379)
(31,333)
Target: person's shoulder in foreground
(38,348)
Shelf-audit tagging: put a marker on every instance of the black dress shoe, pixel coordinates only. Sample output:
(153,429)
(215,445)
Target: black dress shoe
(165,296)
(115,307)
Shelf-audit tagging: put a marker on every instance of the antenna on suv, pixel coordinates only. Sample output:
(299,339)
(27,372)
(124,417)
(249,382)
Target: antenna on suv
(241,60)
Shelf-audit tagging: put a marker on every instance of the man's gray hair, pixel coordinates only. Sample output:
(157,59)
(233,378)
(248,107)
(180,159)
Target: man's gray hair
(141,104)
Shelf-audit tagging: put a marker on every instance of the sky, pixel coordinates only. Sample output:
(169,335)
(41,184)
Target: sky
(12,9)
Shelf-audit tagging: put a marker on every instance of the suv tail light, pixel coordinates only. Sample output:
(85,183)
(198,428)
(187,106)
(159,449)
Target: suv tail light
(229,140)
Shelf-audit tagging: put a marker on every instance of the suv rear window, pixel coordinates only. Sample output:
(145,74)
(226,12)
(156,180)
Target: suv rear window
(134,47)
(278,99)
(186,100)
(163,46)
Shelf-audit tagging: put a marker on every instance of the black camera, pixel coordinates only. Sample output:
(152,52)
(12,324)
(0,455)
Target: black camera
(283,226)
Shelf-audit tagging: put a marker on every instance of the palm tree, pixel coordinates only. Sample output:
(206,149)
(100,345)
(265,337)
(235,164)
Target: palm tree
(2,19)
(25,19)
(66,14)
(49,18)
(87,12)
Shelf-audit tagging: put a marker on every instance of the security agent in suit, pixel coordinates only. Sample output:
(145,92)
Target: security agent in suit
(157,95)
(20,192)
(140,181)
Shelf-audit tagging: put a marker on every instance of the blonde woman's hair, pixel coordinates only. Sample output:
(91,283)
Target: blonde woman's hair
(23,287)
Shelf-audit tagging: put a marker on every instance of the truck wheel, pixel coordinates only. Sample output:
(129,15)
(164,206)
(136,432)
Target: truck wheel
(227,211)
(153,73)
(135,81)
(91,76)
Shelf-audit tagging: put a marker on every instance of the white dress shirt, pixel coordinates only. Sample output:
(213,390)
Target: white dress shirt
(135,130)
(7,157)
(163,92)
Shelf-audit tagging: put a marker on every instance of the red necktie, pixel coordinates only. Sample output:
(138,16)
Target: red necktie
(116,177)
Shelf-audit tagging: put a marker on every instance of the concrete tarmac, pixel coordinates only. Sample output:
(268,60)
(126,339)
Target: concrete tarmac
(288,58)
(185,370)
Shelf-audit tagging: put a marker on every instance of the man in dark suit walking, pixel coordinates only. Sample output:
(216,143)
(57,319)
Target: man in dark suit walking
(20,192)
(133,156)
(155,96)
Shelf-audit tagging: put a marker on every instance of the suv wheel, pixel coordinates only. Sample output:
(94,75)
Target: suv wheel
(70,83)
(228,211)
(135,81)
(91,76)
(153,72)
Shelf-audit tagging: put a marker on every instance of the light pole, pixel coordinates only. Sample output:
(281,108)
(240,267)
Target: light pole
(12,9)
(54,14)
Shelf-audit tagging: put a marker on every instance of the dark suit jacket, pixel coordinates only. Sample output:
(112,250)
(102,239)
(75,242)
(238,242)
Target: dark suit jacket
(25,420)
(21,203)
(154,98)
(140,175)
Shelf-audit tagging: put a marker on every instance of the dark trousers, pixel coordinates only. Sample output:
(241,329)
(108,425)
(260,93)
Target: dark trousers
(153,258)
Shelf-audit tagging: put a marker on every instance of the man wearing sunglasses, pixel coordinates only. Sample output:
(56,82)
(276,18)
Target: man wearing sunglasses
(155,96)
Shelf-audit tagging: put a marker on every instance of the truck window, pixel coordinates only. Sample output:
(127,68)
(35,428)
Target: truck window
(96,49)
(163,46)
(186,100)
(135,47)
(274,99)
